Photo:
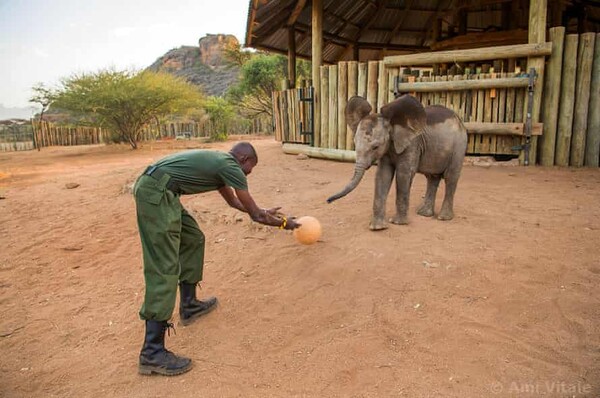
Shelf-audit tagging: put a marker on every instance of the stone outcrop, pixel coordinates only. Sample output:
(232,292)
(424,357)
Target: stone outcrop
(204,65)
(212,46)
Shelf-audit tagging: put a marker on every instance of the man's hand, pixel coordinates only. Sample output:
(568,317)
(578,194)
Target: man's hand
(290,223)
(274,211)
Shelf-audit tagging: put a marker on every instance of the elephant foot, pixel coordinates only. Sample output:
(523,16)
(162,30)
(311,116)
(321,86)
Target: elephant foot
(446,215)
(425,211)
(399,220)
(377,225)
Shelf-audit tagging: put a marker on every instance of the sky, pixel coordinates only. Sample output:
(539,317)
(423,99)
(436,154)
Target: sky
(42,41)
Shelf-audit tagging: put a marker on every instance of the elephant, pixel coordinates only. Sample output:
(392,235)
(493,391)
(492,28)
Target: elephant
(406,138)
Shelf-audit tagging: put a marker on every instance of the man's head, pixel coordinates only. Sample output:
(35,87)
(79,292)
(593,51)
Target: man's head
(246,156)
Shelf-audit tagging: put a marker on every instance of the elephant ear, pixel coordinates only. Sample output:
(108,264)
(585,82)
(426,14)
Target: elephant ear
(408,119)
(356,109)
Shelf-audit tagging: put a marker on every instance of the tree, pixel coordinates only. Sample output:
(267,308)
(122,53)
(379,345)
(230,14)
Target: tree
(260,75)
(125,102)
(43,96)
(236,56)
(220,113)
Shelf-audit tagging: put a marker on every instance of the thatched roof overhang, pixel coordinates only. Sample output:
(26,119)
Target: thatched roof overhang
(371,29)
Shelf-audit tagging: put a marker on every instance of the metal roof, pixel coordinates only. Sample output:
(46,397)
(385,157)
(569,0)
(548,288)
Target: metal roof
(389,27)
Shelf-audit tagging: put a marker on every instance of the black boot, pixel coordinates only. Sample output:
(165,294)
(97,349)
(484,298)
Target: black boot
(190,308)
(154,358)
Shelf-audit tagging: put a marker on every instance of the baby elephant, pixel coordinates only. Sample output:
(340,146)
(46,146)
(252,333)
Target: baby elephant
(406,138)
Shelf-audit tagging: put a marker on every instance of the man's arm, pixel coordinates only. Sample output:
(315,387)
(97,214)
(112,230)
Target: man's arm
(231,199)
(243,201)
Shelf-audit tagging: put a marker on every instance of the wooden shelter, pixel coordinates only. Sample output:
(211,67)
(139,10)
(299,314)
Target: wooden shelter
(440,50)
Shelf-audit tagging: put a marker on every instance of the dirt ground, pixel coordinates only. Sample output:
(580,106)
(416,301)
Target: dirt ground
(501,301)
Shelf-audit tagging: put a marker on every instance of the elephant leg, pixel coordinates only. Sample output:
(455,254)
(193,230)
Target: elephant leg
(383,182)
(451,181)
(428,206)
(404,178)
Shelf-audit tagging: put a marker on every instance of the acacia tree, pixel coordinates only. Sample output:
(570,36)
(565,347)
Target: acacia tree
(260,75)
(42,96)
(124,101)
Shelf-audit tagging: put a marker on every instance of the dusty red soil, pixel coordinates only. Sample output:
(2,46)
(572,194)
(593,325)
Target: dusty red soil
(501,301)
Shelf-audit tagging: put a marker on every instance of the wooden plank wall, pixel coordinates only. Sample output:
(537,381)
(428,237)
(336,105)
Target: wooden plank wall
(484,105)
(573,98)
(570,108)
(478,105)
(376,83)
(288,113)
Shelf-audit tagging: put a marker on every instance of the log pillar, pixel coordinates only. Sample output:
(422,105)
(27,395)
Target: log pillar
(317,60)
(292,56)
(538,10)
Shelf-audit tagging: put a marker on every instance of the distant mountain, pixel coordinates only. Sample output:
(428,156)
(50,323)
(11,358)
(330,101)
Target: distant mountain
(204,65)
(17,113)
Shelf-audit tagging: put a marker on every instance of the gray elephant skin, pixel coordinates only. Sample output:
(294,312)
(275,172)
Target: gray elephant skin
(404,139)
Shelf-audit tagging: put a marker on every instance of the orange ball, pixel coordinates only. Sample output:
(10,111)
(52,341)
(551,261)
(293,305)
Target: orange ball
(309,231)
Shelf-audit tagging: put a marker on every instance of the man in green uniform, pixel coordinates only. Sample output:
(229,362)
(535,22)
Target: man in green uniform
(173,244)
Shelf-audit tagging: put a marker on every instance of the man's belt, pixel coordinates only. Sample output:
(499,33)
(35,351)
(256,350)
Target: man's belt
(156,173)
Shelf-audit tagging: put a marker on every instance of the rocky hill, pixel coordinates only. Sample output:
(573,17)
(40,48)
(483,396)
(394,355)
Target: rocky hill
(204,65)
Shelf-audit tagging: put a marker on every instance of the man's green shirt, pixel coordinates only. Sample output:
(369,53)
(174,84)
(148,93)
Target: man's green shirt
(202,171)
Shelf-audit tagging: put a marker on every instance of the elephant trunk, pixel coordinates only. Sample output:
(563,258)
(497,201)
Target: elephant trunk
(359,172)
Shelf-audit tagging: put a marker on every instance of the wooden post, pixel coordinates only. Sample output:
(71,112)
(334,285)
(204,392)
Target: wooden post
(585,57)
(317,58)
(362,79)
(292,56)
(538,10)
(487,116)
(276,113)
(503,144)
(382,86)
(372,84)
(285,114)
(293,105)
(352,91)
(592,147)
(342,95)
(393,74)
(352,79)
(457,100)
(333,107)
(323,121)
(567,100)
(547,141)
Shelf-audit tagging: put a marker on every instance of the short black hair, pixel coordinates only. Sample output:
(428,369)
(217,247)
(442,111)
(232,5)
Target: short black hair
(244,148)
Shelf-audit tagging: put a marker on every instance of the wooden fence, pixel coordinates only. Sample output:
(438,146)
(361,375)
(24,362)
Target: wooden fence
(490,97)
(16,137)
(292,112)
(571,106)
(49,134)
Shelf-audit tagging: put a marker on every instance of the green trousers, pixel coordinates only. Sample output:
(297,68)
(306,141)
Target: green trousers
(172,246)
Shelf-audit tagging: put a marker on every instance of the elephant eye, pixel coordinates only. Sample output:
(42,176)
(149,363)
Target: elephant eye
(374,147)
